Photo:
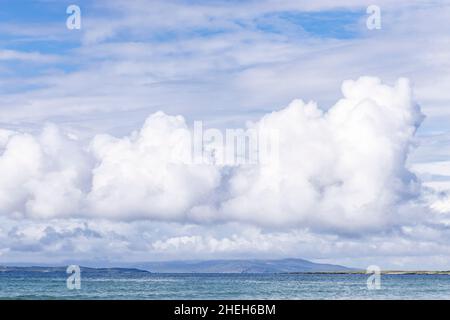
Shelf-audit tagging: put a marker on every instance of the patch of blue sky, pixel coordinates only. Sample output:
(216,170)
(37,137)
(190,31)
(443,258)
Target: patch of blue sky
(34,26)
(167,35)
(40,18)
(20,76)
(337,24)
(41,45)
(32,11)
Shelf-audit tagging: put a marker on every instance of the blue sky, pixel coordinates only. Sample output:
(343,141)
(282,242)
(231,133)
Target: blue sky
(329,24)
(224,63)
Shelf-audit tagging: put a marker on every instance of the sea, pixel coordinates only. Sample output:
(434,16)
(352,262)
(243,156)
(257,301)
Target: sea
(144,285)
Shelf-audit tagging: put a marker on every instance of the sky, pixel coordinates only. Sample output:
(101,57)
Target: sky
(89,117)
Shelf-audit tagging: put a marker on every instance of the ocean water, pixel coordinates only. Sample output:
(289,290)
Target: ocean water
(52,285)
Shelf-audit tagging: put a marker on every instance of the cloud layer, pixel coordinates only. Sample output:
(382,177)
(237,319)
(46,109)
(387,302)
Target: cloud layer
(342,170)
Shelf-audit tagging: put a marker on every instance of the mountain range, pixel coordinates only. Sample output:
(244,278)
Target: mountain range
(240,266)
(195,266)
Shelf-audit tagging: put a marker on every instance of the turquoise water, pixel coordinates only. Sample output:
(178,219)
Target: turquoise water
(52,285)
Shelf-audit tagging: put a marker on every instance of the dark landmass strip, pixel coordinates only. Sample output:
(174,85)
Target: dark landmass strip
(198,266)
(388,272)
(240,266)
(39,269)
(287,266)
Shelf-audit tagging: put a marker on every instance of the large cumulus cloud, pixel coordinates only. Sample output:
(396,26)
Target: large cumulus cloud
(138,176)
(342,169)
(42,176)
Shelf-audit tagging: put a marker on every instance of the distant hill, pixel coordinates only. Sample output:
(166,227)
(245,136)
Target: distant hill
(240,266)
(85,270)
(194,266)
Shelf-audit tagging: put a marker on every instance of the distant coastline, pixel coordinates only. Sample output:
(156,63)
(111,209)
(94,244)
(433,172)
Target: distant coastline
(386,272)
(41,269)
(281,266)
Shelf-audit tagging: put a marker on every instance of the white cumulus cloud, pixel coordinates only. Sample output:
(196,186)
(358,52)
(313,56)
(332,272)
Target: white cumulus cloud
(136,176)
(343,169)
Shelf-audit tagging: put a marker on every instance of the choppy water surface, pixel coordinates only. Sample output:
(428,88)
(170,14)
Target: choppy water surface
(52,285)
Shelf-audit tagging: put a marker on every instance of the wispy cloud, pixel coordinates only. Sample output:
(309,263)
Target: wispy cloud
(34,57)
